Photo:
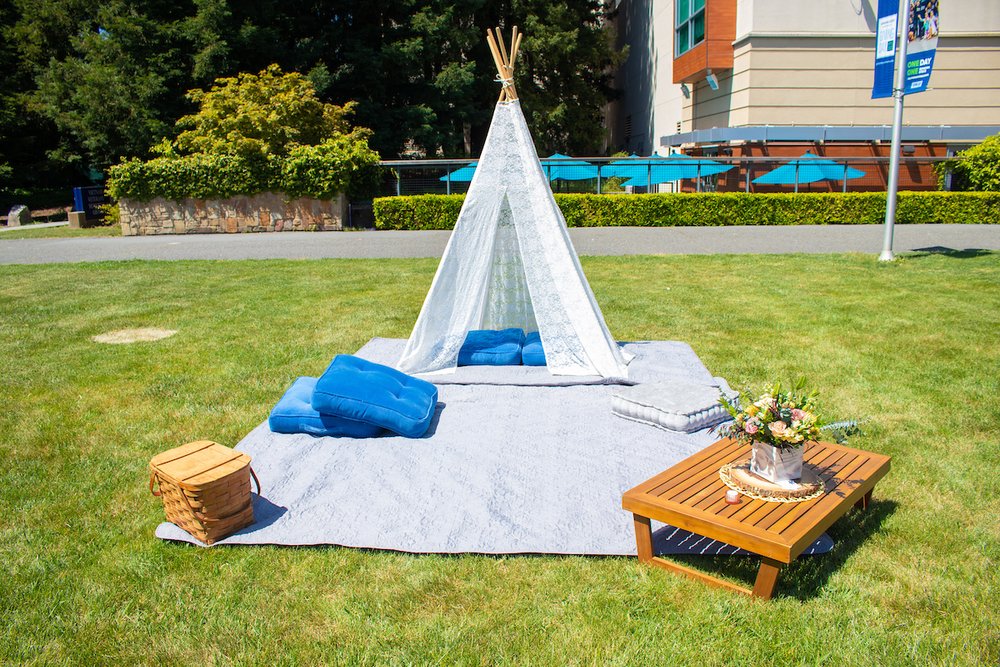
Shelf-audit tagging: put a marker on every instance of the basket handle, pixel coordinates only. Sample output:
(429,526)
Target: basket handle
(153,480)
(254,475)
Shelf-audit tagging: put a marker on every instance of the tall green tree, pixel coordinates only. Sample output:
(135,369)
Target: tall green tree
(119,91)
(32,32)
(95,80)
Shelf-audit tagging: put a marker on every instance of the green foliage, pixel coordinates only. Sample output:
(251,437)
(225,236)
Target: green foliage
(714,209)
(112,214)
(116,91)
(340,164)
(252,134)
(564,76)
(417,211)
(977,168)
(200,176)
(259,116)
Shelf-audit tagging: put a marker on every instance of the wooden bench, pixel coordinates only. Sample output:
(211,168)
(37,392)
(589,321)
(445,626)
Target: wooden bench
(690,495)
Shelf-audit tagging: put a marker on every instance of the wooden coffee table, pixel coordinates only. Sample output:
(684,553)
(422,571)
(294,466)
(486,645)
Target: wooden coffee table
(691,496)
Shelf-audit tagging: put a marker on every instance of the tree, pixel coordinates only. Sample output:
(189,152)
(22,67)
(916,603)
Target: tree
(978,167)
(259,115)
(254,133)
(117,93)
(564,73)
(28,139)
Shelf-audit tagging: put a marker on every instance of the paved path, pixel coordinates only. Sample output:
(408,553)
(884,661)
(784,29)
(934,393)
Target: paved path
(34,225)
(590,241)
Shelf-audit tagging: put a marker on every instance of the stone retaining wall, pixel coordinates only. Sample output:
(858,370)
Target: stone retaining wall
(267,212)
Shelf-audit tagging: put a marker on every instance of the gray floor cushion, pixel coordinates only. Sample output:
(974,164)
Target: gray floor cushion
(675,405)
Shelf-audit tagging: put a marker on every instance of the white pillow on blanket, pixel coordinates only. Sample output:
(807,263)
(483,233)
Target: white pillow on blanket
(675,405)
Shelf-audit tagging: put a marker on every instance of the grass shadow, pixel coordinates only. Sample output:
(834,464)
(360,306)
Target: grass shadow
(931,251)
(805,577)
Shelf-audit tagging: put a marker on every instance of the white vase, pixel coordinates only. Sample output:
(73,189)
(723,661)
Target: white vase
(776,464)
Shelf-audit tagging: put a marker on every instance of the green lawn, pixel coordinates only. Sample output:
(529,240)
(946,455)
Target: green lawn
(911,346)
(60,232)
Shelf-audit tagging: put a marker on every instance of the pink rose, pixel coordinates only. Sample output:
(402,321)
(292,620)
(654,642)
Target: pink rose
(778,428)
(798,415)
(752,426)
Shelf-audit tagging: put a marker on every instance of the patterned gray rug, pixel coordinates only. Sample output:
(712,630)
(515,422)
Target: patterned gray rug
(516,466)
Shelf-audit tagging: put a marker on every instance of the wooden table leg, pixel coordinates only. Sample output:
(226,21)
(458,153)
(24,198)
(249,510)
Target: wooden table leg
(767,577)
(865,501)
(643,537)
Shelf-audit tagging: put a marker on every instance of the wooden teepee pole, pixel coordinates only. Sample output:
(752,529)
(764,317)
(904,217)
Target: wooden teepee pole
(505,64)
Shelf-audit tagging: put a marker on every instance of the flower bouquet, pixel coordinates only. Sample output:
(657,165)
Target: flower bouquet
(776,425)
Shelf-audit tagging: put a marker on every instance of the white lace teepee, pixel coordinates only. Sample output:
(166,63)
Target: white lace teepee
(510,262)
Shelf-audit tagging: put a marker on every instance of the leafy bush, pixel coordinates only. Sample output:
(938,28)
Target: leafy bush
(978,167)
(259,115)
(201,176)
(714,209)
(337,165)
(256,133)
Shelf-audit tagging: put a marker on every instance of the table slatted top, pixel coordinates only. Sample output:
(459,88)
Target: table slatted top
(691,495)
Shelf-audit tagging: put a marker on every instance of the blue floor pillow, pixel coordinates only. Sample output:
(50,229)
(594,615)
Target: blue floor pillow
(486,347)
(354,388)
(294,414)
(532,354)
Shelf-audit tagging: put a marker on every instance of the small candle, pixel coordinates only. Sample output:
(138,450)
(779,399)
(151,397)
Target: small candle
(733,497)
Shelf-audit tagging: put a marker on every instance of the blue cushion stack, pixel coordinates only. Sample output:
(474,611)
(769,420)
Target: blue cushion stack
(487,347)
(356,398)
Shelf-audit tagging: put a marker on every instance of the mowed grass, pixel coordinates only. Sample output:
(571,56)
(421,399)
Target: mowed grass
(911,346)
(27,232)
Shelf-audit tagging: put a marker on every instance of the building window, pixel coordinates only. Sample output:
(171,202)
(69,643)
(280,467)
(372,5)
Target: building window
(690,30)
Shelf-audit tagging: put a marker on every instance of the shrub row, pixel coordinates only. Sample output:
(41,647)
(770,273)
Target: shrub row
(714,209)
(321,171)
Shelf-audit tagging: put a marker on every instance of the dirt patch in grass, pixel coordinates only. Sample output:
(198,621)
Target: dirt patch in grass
(123,336)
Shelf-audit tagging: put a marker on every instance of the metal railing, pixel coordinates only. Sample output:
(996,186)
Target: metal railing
(410,177)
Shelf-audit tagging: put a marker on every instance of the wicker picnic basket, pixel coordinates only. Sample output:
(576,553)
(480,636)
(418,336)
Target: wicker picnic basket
(205,488)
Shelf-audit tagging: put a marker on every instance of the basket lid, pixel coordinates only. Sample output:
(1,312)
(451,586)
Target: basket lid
(199,462)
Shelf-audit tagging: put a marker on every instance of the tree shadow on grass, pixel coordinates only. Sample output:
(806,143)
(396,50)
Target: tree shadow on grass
(931,251)
(805,577)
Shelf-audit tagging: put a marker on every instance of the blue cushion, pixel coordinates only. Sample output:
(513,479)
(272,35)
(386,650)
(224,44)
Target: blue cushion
(294,414)
(492,348)
(357,389)
(532,354)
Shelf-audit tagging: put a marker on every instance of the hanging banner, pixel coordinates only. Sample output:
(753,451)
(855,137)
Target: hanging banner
(923,39)
(923,21)
(886,36)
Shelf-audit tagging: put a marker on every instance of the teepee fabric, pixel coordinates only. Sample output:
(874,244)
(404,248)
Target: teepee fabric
(510,263)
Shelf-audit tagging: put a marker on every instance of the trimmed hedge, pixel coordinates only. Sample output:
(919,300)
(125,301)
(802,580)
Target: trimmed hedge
(714,209)
(321,171)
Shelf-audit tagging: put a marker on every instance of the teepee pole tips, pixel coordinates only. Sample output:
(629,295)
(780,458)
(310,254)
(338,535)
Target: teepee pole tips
(504,63)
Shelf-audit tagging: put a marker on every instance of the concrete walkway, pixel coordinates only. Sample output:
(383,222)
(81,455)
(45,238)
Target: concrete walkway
(34,225)
(588,241)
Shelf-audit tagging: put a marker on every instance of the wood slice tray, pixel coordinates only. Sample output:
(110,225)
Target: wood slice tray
(738,476)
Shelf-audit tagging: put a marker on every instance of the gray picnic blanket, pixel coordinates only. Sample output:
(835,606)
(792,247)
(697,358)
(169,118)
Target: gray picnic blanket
(506,467)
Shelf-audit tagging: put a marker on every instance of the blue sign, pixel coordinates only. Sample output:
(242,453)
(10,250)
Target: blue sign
(922,44)
(87,199)
(886,36)
(922,22)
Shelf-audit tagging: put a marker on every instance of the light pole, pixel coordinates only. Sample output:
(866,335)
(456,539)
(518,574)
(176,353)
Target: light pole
(898,92)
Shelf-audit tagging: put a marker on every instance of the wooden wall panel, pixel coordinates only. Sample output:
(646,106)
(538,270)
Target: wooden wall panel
(716,52)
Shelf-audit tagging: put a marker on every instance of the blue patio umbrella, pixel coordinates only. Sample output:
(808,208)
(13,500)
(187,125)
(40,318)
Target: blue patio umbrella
(676,167)
(631,167)
(559,167)
(462,175)
(809,168)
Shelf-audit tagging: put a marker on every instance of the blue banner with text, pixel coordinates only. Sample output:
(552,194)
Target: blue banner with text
(923,23)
